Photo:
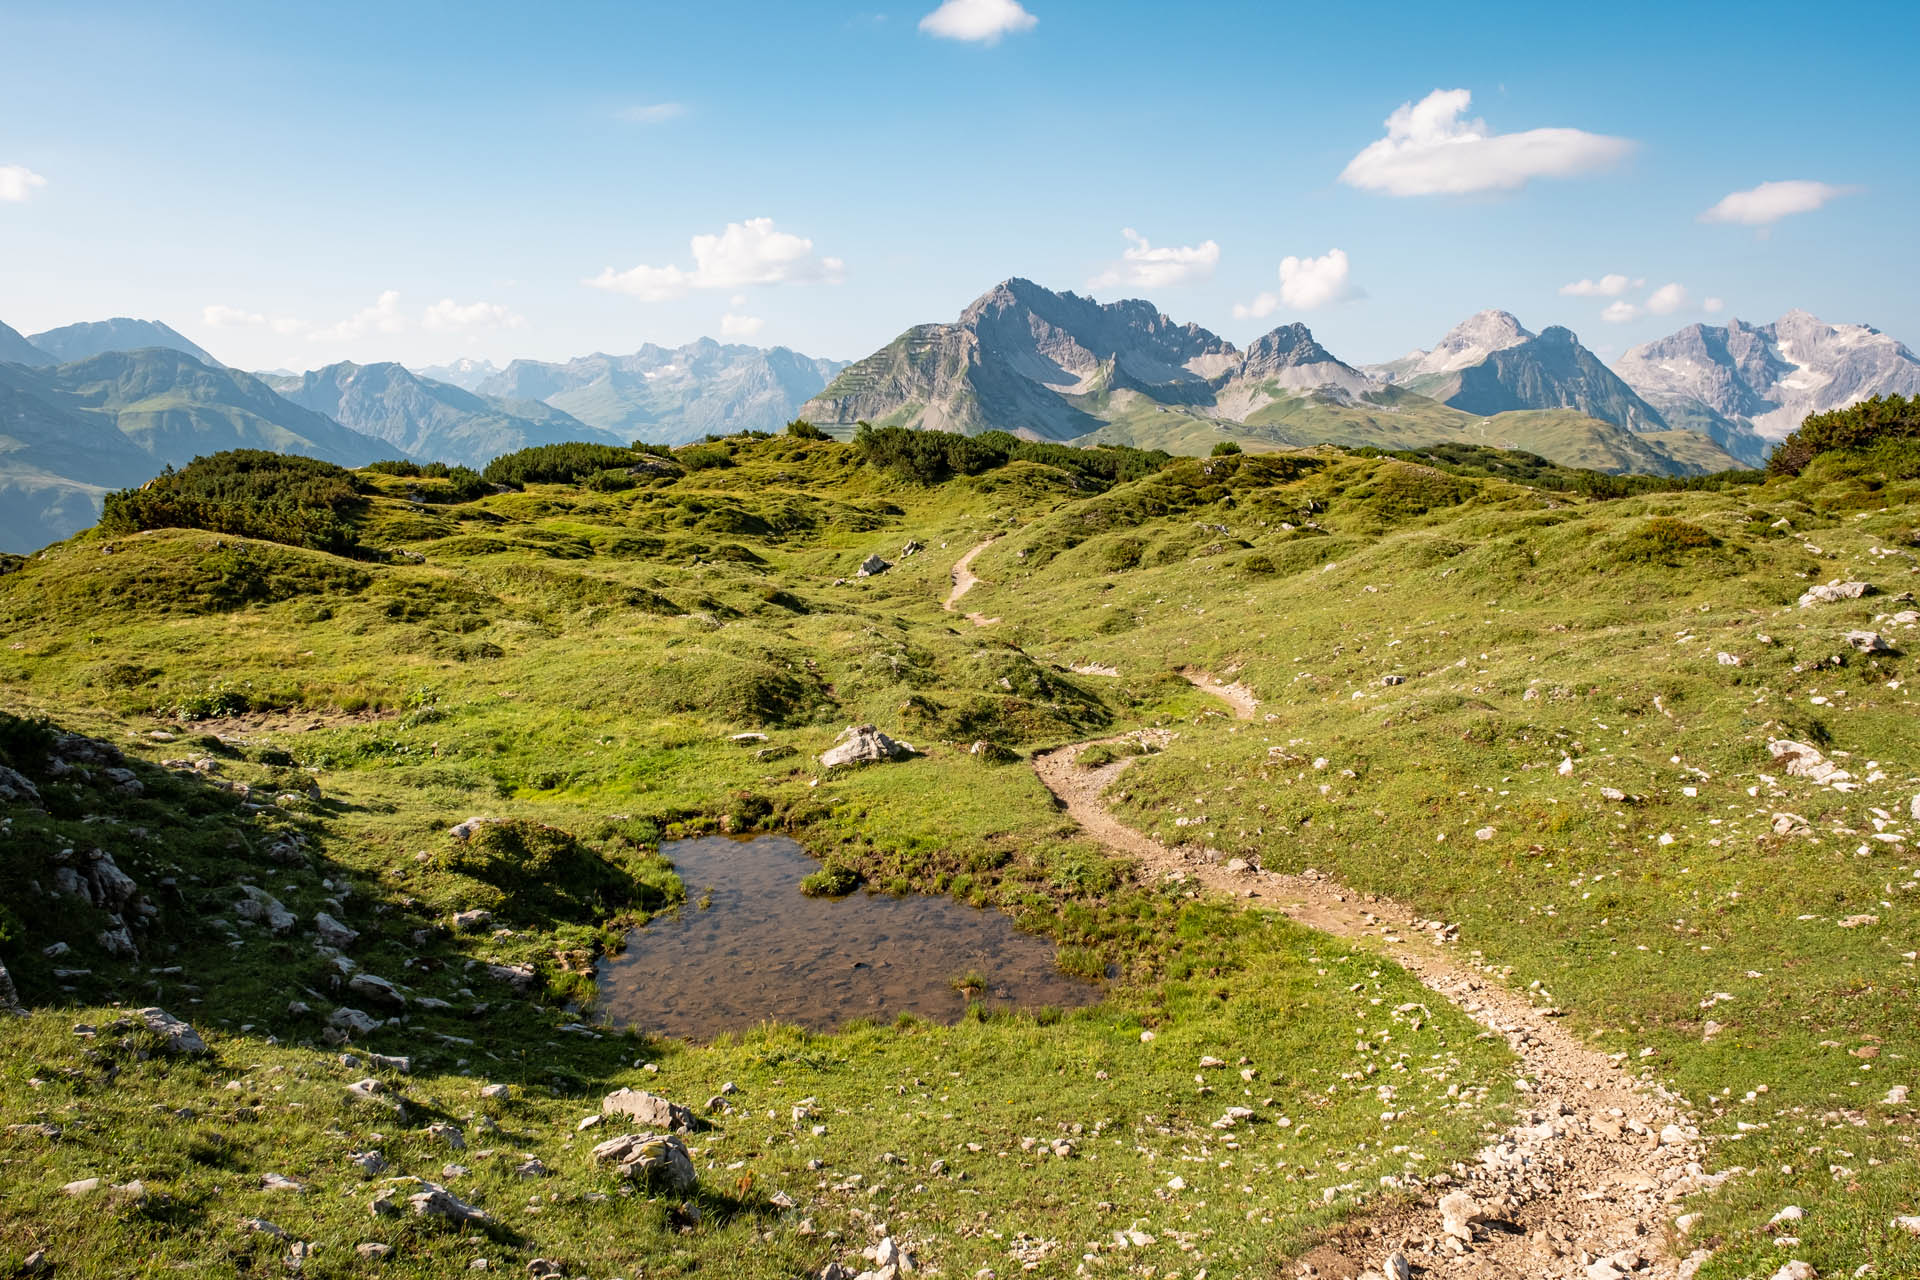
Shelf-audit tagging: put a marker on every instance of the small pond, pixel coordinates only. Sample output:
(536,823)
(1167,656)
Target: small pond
(760,949)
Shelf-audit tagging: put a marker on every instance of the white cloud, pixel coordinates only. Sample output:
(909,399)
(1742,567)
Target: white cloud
(1667,299)
(653,112)
(1142,266)
(1430,150)
(1608,286)
(1771,201)
(382,317)
(746,253)
(220,316)
(981,20)
(1714,306)
(1306,283)
(448,314)
(1263,305)
(1620,312)
(738,326)
(17,182)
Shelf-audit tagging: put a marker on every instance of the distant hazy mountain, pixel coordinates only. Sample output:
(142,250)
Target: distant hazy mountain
(15,349)
(69,433)
(671,396)
(1490,363)
(429,420)
(78,341)
(467,374)
(1467,343)
(1766,378)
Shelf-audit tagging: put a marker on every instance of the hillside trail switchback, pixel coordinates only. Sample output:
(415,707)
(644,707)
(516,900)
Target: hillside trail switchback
(964,581)
(1578,1188)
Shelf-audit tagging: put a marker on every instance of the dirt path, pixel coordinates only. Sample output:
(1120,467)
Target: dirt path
(1586,1174)
(963,582)
(1235,695)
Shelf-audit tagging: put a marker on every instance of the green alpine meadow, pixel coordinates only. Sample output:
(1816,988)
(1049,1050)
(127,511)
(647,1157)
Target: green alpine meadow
(1445,862)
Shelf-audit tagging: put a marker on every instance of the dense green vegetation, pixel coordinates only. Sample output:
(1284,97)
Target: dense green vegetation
(1885,427)
(576,665)
(250,493)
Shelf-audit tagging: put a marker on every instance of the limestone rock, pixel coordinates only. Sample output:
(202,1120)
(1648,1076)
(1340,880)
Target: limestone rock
(1803,761)
(332,932)
(518,976)
(262,907)
(648,1109)
(1458,1214)
(179,1036)
(472,921)
(17,788)
(659,1161)
(465,830)
(377,988)
(348,1023)
(9,997)
(864,744)
(872,566)
(1869,642)
(1832,592)
(437,1202)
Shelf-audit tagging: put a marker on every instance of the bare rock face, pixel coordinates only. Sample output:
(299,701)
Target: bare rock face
(864,744)
(9,997)
(17,788)
(648,1109)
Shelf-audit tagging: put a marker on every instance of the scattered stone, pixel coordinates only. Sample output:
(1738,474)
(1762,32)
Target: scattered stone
(1833,592)
(1803,761)
(82,1187)
(499,1091)
(864,744)
(371,1164)
(280,1182)
(649,1109)
(332,932)
(658,1160)
(17,788)
(872,566)
(1796,1270)
(449,1134)
(262,907)
(518,976)
(1869,642)
(1396,1266)
(377,988)
(1458,1214)
(437,1202)
(472,921)
(347,1023)
(465,830)
(179,1037)
(373,1251)
(261,1226)
(1393,680)
(531,1167)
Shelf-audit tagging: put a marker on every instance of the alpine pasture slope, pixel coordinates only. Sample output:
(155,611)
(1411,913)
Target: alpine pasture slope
(1508,722)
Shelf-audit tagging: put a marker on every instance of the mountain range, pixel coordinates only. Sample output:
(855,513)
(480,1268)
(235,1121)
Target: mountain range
(89,407)
(1062,367)
(422,418)
(71,432)
(665,395)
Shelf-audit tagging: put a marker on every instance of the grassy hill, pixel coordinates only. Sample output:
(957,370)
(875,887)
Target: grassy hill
(1401,419)
(576,657)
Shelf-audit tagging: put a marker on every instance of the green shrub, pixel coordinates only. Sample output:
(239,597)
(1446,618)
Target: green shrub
(1859,426)
(1227,448)
(250,493)
(704,457)
(556,463)
(1664,540)
(801,429)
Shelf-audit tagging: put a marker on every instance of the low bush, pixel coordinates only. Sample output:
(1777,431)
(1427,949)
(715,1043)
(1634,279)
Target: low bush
(250,493)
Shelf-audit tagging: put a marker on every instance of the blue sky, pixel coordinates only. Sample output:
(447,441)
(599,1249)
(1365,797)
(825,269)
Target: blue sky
(293,185)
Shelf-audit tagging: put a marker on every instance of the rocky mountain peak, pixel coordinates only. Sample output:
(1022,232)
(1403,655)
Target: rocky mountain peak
(1473,340)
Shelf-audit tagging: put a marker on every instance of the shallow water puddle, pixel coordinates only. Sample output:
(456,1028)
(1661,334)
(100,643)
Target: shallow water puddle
(760,949)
